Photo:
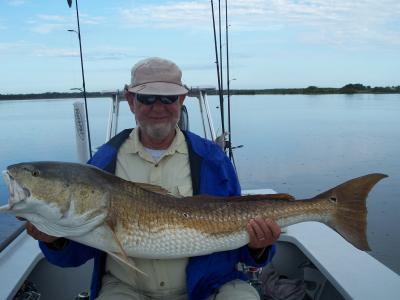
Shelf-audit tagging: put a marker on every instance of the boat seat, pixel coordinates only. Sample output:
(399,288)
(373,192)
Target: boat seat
(183,122)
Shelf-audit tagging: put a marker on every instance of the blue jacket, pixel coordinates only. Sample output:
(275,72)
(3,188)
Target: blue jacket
(213,174)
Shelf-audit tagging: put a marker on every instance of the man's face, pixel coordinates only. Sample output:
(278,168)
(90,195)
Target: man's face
(157,120)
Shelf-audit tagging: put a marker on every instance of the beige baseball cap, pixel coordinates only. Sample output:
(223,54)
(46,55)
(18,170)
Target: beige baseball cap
(156,76)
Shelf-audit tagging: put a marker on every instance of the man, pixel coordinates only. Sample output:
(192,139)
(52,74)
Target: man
(158,152)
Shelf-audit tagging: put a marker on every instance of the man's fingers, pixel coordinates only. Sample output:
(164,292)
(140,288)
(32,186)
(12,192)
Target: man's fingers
(38,235)
(274,228)
(252,234)
(31,230)
(257,227)
(262,232)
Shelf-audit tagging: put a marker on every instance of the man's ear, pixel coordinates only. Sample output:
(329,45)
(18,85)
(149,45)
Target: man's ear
(130,97)
(182,99)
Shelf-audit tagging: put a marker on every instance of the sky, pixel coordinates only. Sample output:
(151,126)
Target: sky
(272,43)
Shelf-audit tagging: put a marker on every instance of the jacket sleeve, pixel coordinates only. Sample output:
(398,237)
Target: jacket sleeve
(233,189)
(246,258)
(72,255)
(234,185)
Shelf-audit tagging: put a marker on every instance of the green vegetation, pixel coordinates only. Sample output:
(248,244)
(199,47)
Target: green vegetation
(311,90)
(52,95)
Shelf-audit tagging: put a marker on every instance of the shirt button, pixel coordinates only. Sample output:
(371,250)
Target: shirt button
(162,283)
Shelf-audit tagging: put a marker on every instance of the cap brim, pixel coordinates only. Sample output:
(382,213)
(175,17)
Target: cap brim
(158,88)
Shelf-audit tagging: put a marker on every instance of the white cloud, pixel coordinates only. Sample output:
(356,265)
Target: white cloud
(100,53)
(338,21)
(45,24)
(12,47)
(54,18)
(55,52)
(108,53)
(47,28)
(170,15)
(90,20)
(16,2)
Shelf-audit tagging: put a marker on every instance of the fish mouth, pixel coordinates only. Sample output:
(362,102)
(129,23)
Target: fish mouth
(17,193)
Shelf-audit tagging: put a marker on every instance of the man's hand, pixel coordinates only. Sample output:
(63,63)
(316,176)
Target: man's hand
(262,232)
(37,234)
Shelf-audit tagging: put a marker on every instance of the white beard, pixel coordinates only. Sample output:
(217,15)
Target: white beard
(157,131)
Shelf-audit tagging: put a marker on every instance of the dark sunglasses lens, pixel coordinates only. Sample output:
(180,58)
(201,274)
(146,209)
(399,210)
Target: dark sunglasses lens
(168,99)
(146,99)
(151,99)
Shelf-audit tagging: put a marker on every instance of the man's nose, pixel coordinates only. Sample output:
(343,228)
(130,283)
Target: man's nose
(158,104)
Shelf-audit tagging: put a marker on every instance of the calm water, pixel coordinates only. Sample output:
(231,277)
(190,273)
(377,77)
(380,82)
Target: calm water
(298,144)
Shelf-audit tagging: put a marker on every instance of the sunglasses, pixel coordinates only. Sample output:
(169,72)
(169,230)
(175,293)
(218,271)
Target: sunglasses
(151,99)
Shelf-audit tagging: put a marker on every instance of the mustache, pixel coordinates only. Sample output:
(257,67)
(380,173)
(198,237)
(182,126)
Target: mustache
(158,131)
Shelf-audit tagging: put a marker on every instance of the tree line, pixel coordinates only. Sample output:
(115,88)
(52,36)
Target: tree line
(314,90)
(311,90)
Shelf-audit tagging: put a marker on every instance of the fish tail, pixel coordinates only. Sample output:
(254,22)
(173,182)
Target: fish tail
(350,216)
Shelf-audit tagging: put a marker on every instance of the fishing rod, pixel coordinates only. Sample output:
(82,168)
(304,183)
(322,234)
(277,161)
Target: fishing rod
(228,85)
(221,98)
(220,52)
(228,143)
(83,73)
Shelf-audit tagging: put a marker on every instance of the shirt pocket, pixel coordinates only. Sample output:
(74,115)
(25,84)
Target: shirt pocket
(185,190)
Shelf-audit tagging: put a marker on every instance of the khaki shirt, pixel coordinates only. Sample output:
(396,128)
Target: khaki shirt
(172,172)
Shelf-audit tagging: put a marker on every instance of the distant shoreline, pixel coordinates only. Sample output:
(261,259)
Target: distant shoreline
(311,90)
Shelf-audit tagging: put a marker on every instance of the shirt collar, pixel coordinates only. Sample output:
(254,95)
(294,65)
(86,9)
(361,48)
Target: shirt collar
(178,143)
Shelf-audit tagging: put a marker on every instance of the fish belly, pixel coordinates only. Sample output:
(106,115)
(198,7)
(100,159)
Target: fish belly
(167,244)
(180,243)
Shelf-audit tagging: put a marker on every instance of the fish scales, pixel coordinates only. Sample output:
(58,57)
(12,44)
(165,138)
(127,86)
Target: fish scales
(88,205)
(218,222)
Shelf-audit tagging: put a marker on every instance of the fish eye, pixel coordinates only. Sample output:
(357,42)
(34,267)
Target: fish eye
(333,199)
(35,173)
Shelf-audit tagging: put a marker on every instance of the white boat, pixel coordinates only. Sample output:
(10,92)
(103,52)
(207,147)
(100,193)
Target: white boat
(327,265)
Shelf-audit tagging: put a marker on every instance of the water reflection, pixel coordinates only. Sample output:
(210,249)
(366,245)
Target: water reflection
(297,144)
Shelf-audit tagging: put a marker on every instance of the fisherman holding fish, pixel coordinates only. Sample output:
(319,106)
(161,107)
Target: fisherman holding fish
(157,152)
(158,208)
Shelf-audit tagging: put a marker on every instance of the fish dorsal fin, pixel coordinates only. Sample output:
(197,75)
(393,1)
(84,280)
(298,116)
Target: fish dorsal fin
(261,197)
(274,197)
(247,197)
(153,188)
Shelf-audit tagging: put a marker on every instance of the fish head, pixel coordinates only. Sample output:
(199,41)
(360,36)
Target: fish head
(65,193)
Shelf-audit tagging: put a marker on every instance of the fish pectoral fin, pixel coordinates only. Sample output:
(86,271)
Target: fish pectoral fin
(117,241)
(122,256)
(126,261)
